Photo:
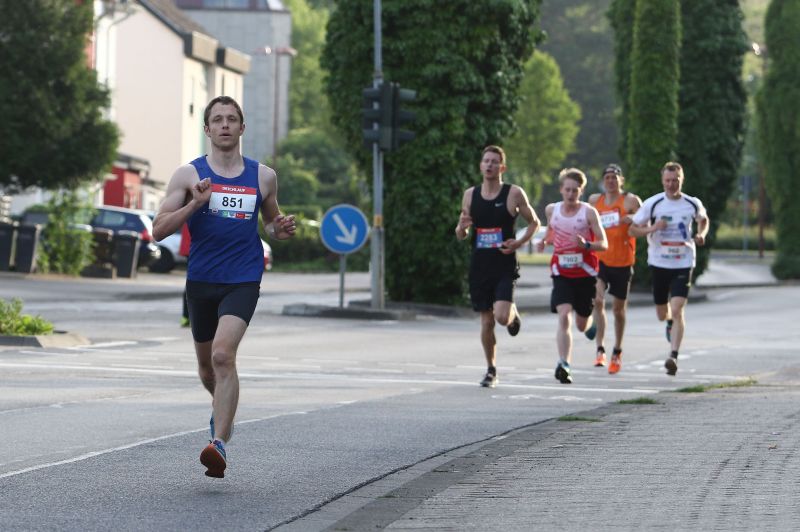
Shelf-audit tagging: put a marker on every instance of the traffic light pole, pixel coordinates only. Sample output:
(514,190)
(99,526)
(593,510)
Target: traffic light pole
(376,235)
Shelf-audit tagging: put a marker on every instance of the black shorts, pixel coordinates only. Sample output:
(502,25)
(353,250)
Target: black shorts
(669,283)
(617,279)
(487,287)
(208,302)
(577,291)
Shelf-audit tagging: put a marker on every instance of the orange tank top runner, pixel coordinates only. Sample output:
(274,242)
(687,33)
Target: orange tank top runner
(621,247)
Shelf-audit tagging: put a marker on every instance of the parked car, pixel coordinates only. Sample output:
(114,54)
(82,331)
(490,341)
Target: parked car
(122,219)
(170,256)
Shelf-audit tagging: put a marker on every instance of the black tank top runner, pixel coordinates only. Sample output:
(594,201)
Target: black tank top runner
(488,214)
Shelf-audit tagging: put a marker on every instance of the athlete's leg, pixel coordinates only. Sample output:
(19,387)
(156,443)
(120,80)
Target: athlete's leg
(488,340)
(677,307)
(504,312)
(600,312)
(564,332)
(230,331)
(204,367)
(619,306)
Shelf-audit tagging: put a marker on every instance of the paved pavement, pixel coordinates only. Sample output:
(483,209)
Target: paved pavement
(722,458)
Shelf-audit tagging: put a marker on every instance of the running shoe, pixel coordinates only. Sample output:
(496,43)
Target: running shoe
(669,330)
(184,322)
(616,363)
(513,329)
(490,380)
(600,359)
(672,365)
(213,457)
(591,332)
(563,373)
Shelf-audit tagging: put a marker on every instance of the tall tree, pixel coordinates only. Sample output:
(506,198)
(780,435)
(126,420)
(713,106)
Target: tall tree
(779,131)
(49,97)
(712,103)
(547,125)
(465,59)
(622,13)
(653,107)
(581,43)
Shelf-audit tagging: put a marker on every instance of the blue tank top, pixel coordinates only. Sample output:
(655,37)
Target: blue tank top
(225,245)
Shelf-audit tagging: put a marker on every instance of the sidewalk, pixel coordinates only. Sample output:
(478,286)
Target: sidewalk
(725,459)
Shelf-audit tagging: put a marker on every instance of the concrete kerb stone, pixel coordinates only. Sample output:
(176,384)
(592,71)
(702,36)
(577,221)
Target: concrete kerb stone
(57,339)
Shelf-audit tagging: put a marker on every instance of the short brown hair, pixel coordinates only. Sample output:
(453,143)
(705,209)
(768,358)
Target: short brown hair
(495,149)
(224,100)
(572,173)
(672,166)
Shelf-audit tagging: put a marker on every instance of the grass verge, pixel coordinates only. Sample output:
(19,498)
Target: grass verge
(700,388)
(579,418)
(638,401)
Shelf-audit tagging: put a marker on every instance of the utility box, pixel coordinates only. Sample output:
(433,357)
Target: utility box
(27,248)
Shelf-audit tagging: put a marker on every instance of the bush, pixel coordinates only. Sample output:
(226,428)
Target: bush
(731,237)
(14,323)
(66,247)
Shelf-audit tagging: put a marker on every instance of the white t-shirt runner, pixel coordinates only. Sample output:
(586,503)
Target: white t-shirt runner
(672,247)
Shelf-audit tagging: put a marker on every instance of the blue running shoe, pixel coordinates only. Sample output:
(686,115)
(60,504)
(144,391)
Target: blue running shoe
(213,457)
(563,373)
(591,332)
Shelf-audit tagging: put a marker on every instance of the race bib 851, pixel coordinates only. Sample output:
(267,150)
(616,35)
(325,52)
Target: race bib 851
(230,201)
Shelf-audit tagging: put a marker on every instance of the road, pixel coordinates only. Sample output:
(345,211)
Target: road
(107,435)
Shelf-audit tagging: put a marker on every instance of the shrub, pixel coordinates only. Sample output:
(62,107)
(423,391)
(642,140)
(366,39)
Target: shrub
(14,323)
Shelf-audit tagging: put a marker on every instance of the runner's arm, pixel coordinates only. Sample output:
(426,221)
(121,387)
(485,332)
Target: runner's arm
(185,194)
(464,219)
(276,225)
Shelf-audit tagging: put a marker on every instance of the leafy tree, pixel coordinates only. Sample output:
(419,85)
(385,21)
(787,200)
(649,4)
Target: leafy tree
(779,131)
(547,121)
(338,180)
(712,103)
(581,43)
(298,184)
(622,13)
(55,134)
(465,59)
(66,248)
(653,103)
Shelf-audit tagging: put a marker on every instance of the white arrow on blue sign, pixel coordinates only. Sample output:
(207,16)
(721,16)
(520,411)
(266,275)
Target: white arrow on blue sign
(344,229)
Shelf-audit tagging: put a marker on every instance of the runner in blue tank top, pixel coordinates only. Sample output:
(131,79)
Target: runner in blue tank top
(220,196)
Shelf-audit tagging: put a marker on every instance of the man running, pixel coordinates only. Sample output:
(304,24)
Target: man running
(573,227)
(666,219)
(220,196)
(493,208)
(615,207)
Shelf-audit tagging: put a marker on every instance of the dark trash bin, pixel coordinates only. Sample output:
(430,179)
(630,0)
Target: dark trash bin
(27,248)
(126,253)
(102,264)
(8,237)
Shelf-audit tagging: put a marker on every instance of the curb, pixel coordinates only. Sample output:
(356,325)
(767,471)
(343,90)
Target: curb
(57,339)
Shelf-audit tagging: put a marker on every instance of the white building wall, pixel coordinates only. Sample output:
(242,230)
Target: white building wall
(251,31)
(148,96)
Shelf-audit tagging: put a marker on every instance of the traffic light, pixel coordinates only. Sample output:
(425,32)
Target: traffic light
(401,116)
(377,115)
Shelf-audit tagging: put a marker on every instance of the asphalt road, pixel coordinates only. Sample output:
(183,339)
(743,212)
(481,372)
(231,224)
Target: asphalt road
(107,435)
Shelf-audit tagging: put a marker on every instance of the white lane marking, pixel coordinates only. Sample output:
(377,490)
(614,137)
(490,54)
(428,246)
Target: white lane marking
(328,376)
(90,347)
(139,443)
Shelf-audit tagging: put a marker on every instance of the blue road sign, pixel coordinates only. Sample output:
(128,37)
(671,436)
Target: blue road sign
(344,229)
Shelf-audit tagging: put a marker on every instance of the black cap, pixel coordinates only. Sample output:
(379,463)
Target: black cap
(612,169)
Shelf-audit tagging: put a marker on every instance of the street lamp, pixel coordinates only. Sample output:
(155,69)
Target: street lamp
(760,50)
(276,51)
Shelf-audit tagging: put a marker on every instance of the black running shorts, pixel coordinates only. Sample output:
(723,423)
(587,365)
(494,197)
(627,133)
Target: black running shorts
(487,287)
(208,302)
(577,291)
(669,283)
(617,279)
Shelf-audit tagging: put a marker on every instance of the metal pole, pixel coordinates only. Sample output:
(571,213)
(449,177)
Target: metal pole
(376,239)
(342,267)
(275,110)
(745,210)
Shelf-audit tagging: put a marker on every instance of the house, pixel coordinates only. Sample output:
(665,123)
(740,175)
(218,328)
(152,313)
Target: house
(162,68)
(262,29)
